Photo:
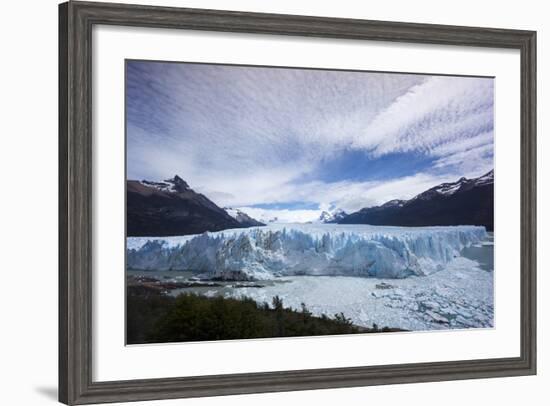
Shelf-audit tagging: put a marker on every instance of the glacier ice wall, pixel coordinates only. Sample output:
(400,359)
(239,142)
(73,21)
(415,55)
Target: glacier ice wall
(266,252)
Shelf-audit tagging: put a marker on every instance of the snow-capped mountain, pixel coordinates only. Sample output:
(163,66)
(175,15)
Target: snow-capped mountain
(464,202)
(244,219)
(332,216)
(461,185)
(171,207)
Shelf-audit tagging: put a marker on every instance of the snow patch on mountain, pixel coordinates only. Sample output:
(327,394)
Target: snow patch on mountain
(242,217)
(262,253)
(235,213)
(331,216)
(394,203)
(462,183)
(173,185)
(449,189)
(486,179)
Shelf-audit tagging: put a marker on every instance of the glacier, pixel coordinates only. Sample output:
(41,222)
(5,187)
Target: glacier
(277,250)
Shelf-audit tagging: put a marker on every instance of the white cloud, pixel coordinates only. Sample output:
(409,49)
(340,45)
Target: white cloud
(453,147)
(440,111)
(236,121)
(471,161)
(349,196)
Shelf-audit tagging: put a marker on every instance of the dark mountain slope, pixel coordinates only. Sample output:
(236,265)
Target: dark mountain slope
(464,202)
(172,208)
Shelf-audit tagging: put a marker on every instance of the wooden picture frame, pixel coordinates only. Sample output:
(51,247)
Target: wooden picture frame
(76,20)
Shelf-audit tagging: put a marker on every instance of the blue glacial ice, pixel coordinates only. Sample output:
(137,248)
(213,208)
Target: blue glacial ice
(262,253)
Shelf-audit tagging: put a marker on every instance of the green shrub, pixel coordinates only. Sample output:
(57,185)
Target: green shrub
(155,318)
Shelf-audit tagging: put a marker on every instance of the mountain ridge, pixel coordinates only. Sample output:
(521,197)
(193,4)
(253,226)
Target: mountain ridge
(170,207)
(464,202)
(332,217)
(244,219)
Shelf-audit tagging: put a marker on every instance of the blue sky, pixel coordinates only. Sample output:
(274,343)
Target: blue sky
(292,142)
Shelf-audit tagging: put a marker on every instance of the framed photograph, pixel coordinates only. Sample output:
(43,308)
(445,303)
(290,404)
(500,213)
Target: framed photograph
(257,202)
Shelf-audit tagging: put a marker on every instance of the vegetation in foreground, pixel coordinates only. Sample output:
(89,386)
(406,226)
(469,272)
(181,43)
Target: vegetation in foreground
(156,318)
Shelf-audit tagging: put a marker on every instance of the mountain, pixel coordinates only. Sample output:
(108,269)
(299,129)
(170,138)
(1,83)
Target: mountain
(332,216)
(244,219)
(171,207)
(464,202)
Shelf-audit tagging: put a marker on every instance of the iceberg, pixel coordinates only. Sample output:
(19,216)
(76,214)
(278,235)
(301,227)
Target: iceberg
(263,253)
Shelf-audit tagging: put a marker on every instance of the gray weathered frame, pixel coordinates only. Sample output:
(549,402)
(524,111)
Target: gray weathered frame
(76,20)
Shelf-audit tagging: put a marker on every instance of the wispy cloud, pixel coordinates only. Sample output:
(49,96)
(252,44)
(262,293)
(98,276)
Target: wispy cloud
(246,136)
(441,109)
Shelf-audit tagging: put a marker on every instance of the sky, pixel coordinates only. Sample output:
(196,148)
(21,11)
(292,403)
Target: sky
(290,143)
